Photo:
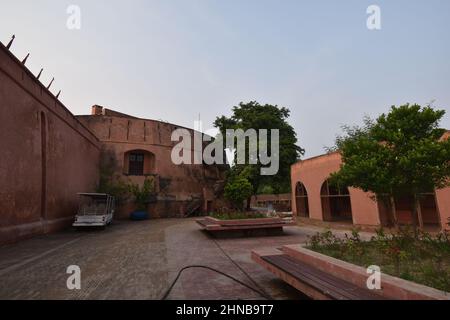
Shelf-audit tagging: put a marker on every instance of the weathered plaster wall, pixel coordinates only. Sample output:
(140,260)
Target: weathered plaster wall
(443,199)
(312,173)
(47,155)
(364,208)
(443,206)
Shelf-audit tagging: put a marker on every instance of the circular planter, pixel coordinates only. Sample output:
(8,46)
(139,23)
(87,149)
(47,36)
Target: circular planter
(139,215)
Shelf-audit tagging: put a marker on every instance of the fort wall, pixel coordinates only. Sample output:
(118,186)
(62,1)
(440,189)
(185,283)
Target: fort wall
(48,155)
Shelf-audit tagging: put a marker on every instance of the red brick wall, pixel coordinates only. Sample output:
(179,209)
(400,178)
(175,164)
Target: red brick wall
(29,115)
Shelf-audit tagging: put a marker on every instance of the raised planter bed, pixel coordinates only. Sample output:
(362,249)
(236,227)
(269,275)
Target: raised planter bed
(391,287)
(245,227)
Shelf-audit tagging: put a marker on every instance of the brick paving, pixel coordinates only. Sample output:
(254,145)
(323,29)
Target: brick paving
(139,260)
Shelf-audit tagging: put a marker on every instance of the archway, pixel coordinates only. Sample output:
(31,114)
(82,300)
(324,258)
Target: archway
(336,204)
(301,200)
(139,163)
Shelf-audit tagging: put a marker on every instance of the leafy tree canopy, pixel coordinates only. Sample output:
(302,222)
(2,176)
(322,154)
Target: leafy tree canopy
(237,190)
(253,115)
(400,153)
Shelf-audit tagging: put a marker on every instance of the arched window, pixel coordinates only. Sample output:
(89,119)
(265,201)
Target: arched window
(301,198)
(136,164)
(336,204)
(139,163)
(334,190)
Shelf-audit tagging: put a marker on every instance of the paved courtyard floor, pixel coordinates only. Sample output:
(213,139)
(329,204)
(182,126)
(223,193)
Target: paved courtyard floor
(139,260)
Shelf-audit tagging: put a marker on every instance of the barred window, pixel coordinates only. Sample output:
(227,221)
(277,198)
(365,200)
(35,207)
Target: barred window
(136,164)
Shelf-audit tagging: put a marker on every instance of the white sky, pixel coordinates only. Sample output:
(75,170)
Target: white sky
(173,60)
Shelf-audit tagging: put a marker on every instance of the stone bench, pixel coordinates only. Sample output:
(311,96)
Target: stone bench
(323,278)
(311,281)
(247,227)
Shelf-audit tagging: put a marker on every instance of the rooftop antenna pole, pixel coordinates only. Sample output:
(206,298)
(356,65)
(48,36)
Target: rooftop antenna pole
(49,85)
(39,75)
(199,124)
(10,42)
(25,60)
(57,96)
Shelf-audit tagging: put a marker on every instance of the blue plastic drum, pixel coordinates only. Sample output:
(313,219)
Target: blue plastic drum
(139,215)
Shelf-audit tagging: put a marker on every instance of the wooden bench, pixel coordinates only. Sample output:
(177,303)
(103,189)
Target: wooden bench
(311,281)
(248,227)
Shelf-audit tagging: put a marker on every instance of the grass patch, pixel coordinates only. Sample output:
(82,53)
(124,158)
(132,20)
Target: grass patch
(237,215)
(424,259)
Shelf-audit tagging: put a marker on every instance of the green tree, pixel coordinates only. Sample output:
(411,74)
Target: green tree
(142,194)
(237,190)
(253,115)
(111,182)
(399,154)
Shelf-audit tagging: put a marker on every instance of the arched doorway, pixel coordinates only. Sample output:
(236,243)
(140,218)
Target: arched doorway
(301,200)
(336,204)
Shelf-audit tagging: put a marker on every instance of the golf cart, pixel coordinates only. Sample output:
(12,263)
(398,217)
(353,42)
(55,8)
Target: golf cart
(94,210)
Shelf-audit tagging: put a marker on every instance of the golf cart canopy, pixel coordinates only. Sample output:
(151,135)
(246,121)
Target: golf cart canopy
(94,209)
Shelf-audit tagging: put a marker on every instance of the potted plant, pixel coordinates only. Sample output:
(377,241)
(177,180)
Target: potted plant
(142,197)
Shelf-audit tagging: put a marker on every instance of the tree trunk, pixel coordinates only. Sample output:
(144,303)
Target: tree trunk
(419,213)
(393,211)
(414,216)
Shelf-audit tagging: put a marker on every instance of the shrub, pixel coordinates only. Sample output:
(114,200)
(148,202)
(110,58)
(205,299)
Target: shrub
(266,189)
(142,194)
(111,182)
(422,258)
(237,190)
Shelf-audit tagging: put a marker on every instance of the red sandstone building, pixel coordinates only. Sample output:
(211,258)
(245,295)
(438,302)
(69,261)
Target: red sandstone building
(49,155)
(314,198)
(141,148)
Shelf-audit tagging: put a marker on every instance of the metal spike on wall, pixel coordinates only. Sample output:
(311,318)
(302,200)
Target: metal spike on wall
(10,42)
(50,84)
(57,96)
(40,72)
(25,60)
